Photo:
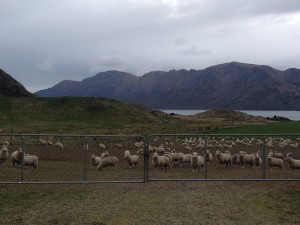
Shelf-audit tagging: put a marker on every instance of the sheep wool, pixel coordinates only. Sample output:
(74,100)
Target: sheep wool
(108,161)
(131,159)
(293,163)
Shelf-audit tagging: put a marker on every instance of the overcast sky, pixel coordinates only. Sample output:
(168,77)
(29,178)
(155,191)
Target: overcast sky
(43,42)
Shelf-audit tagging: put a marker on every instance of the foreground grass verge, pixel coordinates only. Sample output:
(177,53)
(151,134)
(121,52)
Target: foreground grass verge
(152,203)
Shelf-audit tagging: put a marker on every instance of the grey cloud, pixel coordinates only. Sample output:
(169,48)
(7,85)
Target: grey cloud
(46,41)
(195,51)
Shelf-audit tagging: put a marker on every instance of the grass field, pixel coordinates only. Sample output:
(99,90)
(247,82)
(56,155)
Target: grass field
(154,202)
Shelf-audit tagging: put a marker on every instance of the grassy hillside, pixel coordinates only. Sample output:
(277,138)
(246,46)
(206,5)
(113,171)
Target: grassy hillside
(107,116)
(83,115)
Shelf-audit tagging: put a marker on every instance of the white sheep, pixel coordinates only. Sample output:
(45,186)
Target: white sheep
(3,154)
(59,145)
(236,159)
(95,160)
(120,146)
(275,162)
(270,154)
(140,152)
(102,146)
(278,155)
(293,163)
(258,160)
(104,154)
(197,161)
(247,159)
(131,159)
(209,158)
(15,158)
(161,161)
(223,158)
(108,161)
(159,150)
(43,142)
(175,156)
(29,160)
(185,159)
(6,143)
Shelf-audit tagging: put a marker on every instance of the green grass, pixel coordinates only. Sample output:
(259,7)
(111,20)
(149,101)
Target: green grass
(107,116)
(288,127)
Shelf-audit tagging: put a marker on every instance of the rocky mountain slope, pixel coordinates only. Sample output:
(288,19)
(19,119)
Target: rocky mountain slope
(231,85)
(9,87)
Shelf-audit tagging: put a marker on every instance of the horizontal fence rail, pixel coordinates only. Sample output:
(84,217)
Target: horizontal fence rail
(80,158)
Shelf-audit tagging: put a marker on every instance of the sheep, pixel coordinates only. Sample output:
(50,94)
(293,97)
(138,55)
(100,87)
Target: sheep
(289,154)
(270,154)
(275,162)
(59,145)
(208,157)
(175,156)
(104,154)
(131,159)
(120,146)
(278,155)
(258,160)
(159,150)
(6,143)
(3,154)
(108,161)
(29,160)
(223,158)
(43,142)
(15,158)
(140,152)
(247,159)
(236,159)
(95,160)
(293,163)
(139,144)
(161,161)
(185,158)
(102,146)
(197,161)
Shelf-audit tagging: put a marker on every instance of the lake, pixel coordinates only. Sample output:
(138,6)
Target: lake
(292,115)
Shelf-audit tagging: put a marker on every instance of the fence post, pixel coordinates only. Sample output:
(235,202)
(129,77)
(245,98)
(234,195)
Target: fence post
(264,158)
(22,165)
(86,148)
(146,156)
(205,158)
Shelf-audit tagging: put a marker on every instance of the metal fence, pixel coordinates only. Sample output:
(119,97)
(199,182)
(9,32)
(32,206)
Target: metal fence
(63,158)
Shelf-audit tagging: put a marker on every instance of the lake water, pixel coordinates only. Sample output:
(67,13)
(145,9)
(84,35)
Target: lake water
(292,115)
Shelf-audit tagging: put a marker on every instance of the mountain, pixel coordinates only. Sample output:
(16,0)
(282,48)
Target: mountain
(231,85)
(9,87)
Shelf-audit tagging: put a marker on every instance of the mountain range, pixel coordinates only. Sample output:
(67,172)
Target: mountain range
(9,87)
(231,85)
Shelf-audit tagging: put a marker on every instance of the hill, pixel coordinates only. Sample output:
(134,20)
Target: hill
(79,115)
(231,86)
(9,87)
(105,116)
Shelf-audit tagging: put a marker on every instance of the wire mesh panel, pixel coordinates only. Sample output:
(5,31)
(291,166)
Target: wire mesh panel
(57,158)
(176,157)
(226,157)
(10,167)
(115,158)
(282,157)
